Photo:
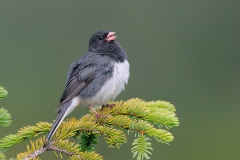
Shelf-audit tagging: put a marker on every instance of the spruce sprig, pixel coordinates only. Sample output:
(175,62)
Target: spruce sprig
(5,117)
(141,147)
(134,115)
(3,92)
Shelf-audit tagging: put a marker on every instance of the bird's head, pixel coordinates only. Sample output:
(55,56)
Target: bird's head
(102,41)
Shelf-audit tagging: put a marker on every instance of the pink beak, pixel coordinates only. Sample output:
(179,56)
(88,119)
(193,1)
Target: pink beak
(111,37)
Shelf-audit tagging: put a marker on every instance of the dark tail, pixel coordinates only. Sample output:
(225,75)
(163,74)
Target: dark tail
(63,112)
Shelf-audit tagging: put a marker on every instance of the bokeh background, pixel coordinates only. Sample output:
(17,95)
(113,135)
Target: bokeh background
(186,52)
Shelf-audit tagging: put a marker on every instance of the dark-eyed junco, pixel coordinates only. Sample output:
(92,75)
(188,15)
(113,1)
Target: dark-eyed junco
(94,79)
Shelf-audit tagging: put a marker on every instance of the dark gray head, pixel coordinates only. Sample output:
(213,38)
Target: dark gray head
(104,43)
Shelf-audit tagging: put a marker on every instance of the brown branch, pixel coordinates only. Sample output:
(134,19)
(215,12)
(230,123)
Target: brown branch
(36,153)
(47,148)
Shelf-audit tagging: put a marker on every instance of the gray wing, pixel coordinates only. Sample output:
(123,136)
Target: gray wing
(79,77)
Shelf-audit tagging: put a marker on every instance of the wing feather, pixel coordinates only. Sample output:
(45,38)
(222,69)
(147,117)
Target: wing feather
(78,79)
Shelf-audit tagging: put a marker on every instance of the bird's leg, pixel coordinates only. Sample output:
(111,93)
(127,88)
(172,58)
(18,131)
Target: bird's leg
(95,112)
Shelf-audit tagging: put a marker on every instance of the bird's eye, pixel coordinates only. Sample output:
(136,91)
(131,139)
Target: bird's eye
(100,38)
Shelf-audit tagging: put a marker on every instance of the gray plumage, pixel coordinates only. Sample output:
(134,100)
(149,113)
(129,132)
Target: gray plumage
(94,79)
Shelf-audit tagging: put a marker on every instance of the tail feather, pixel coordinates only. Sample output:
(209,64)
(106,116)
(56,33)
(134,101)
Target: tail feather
(66,108)
(55,126)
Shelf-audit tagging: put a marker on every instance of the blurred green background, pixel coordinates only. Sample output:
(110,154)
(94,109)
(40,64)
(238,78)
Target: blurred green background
(186,52)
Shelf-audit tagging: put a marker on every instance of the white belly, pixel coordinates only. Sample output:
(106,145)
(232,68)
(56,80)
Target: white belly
(114,85)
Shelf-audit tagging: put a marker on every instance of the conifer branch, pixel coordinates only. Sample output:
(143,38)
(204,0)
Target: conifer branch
(5,117)
(3,92)
(134,115)
(141,147)
(87,142)
(62,146)
(24,134)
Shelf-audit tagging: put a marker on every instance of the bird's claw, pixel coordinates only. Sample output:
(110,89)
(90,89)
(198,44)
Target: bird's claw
(108,106)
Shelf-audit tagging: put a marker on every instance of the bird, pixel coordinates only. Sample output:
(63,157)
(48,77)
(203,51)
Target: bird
(95,78)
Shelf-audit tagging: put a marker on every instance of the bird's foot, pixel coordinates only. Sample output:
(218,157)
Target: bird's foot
(108,106)
(97,115)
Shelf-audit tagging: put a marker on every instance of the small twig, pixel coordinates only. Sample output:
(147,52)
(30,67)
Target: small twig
(61,150)
(47,148)
(36,153)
